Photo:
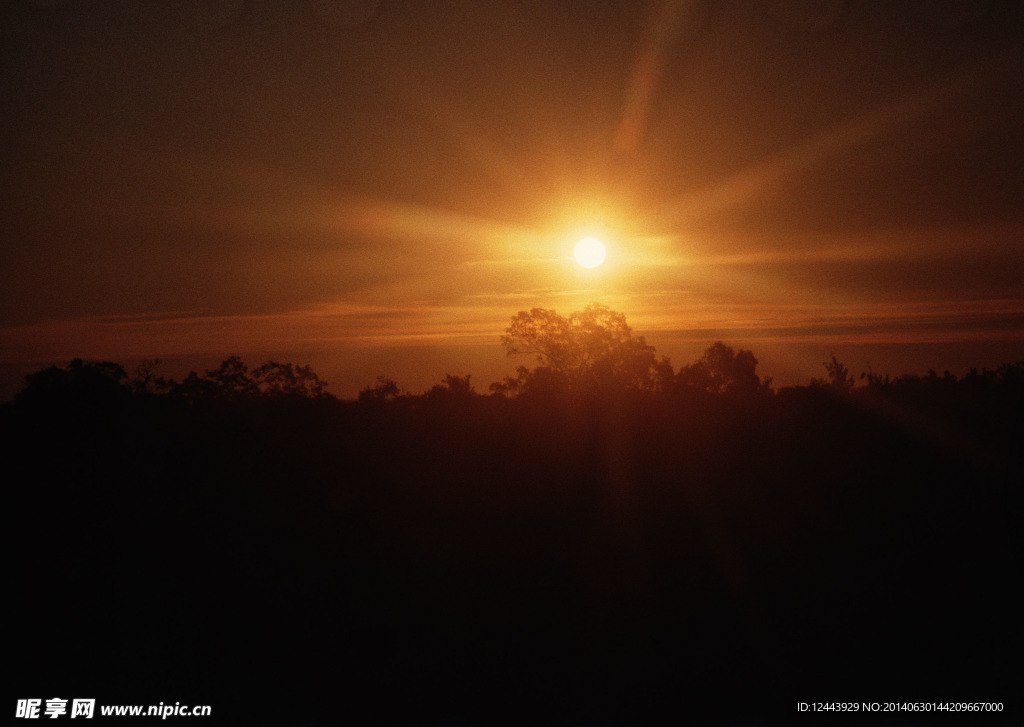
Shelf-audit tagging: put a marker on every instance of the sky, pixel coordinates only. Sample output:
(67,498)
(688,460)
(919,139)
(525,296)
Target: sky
(375,187)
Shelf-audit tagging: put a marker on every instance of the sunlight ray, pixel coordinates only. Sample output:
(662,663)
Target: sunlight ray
(660,33)
(764,177)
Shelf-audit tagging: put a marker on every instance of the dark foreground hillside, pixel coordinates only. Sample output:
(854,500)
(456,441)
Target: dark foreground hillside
(481,560)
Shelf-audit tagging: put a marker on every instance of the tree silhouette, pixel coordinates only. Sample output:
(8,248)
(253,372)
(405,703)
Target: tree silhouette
(275,379)
(469,529)
(721,370)
(82,383)
(839,377)
(592,348)
(144,378)
(383,390)
(233,380)
(455,388)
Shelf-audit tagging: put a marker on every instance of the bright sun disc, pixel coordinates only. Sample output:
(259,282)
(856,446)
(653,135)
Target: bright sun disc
(589,252)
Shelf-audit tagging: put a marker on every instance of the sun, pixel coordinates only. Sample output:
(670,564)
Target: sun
(589,252)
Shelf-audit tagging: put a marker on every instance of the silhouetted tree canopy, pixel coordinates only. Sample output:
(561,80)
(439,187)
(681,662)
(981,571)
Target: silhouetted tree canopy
(721,370)
(620,548)
(453,388)
(839,378)
(590,349)
(382,390)
(85,385)
(91,383)
(276,379)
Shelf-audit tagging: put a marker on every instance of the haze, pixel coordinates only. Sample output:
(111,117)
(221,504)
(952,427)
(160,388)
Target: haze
(377,187)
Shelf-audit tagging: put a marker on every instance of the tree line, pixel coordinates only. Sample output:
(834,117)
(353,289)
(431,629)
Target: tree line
(598,537)
(591,353)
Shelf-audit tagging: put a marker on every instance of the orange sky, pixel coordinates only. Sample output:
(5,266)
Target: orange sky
(378,187)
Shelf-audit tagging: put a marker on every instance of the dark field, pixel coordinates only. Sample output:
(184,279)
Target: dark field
(454,558)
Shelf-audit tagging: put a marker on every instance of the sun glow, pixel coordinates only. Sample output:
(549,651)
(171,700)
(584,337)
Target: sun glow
(589,252)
